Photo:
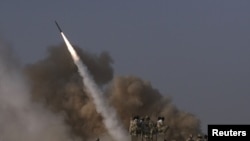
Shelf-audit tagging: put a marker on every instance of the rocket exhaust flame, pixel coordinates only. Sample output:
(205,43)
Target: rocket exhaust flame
(70,48)
(109,115)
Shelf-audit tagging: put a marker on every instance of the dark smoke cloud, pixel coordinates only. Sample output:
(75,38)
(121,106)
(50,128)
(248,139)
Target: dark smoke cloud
(55,82)
(133,96)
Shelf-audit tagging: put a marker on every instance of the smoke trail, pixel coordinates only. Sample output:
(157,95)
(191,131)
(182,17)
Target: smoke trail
(109,114)
(21,119)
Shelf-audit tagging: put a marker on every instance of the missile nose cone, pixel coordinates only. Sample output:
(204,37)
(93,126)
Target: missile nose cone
(58,27)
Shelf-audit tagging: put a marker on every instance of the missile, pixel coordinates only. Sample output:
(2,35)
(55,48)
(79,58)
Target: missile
(58,27)
(68,44)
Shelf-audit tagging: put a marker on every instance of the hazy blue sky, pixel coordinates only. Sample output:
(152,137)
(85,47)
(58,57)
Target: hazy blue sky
(195,51)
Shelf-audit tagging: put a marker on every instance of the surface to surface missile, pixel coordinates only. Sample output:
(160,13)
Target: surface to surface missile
(58,27)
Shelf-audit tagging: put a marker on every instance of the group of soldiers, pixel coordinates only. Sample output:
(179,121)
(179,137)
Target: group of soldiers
(146,128)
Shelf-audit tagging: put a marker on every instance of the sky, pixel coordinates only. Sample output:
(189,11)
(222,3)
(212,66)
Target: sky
(196,52)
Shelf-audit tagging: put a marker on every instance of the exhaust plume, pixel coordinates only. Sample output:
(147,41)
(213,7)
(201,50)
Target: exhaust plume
(110,119)
(72,51)
(20,118)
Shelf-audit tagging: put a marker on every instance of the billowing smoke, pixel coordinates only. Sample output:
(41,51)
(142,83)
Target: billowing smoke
(20,118)
(56,83)
(133,96)
(110,118)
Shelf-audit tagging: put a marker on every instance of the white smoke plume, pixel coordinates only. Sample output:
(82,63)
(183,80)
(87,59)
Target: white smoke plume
(109,115)
(21,119)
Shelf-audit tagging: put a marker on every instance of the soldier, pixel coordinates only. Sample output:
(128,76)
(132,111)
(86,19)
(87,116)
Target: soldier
(140,124)
(152,127)
(131,125)
(146,128)
(143,125)
(146,122)
(161,128)
(133,128)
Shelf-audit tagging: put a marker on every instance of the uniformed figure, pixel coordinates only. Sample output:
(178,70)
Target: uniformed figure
(141,123)
(133,128)
(159,122)
(145,127)
(153,129)
(131,125)
(161,128)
